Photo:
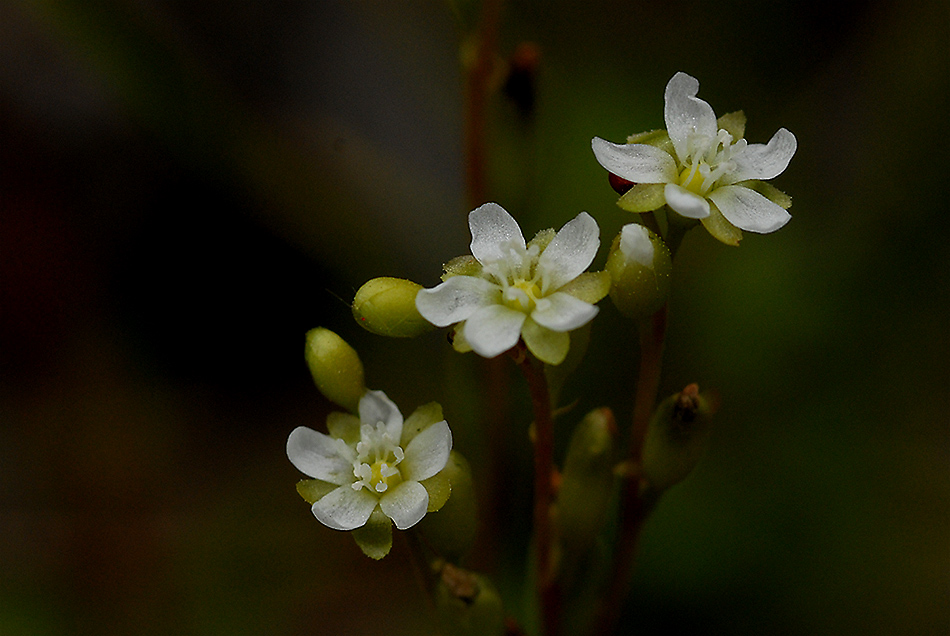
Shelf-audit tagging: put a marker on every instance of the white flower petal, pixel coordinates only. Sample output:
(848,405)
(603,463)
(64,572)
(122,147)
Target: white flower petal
(375,407)
(570,253)
(318,455)
(427,453)
(563,312)
(456,299)
(685,202)
(493,330)
(345,508)
(636,245)
(639,163)
(749,210)
(492,228)
(405,504)
(687,114)
(764,161)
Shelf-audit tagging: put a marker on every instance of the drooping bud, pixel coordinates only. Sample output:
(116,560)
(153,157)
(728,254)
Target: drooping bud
(587,480)
(640,268)
(468,604)
(335,367)
(451,530)
(677,438)
(387,307)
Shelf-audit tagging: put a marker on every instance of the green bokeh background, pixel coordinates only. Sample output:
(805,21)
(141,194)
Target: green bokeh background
(186,188)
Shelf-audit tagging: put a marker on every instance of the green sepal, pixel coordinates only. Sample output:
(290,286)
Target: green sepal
(421,419)
(587,481)
(677,438)
(313,490)
(643,197)
(387,307)
(542,239)
(591,287)
(769,191)
(734,124)
(659,138)
(721,229)
(461,266)
(550,347)
(376,537)
(345,426)
(467,604)
(335,367)
(450,532)
(439,487)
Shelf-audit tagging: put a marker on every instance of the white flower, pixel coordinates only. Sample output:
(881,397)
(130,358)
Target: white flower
(709,169)
(373,461)
(535,291)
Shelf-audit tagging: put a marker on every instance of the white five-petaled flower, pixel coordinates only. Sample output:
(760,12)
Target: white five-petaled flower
(537,291)
(710,168)
(373,461)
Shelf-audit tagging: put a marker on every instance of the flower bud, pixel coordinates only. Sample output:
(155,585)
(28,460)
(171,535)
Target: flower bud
(335,367)
(451,530)
(468,604)
(677,438)
(387,307)
(587,480)
(640,266)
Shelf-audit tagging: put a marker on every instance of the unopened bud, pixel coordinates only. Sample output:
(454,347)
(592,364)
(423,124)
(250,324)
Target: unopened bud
(587,479)
(640,267)
(468,604)
(387,307)
(335,367)
(677,438)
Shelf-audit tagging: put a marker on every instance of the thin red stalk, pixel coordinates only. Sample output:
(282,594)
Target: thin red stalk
(634,509)
(547,590)
(476,99)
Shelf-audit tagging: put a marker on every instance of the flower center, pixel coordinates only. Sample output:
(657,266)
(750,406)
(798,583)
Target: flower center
(378,454)
(522,295)
(516,274)
(709,159)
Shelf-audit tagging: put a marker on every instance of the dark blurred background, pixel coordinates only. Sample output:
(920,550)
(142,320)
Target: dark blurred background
(187,187)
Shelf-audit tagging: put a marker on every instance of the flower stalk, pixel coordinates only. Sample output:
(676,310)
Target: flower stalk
(547,591)
(634,508)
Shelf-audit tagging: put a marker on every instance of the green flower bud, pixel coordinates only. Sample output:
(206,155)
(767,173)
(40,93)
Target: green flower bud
(677,438)
(335,367)
(450,532)
(468,604)
(587,480)
(387,307)
(640,267)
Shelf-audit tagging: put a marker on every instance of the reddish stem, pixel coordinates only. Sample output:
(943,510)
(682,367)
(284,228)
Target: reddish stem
(547,589)
(633,508)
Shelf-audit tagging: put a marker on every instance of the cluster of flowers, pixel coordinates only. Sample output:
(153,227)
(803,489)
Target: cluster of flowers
(376,469)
